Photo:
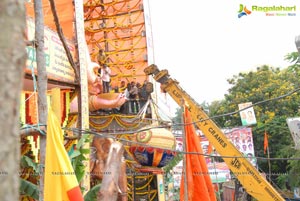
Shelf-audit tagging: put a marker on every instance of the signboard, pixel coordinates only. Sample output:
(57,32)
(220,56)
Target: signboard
(57,63)
(219,172)
(243,140)
(294,127)
(247,115)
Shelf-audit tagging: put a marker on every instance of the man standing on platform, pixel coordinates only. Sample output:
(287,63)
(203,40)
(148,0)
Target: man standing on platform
(106,72)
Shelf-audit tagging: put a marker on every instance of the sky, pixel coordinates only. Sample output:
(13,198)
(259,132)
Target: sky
(204,43)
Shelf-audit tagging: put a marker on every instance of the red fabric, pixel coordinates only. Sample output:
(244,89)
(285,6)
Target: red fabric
(35,139)
(209,149)
(199,183)
(74,194)
(266,143)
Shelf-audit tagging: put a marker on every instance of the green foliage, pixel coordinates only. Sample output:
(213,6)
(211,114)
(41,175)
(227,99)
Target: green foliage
(28,162)
(169,177)
(29,189)
(78,157)
(266,83)
(177,120)
(26,187)
(91,195)
(292,57)
(294,174)
(173,162)
(295,67)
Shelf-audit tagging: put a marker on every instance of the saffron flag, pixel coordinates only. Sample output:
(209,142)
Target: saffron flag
(60,180)
(209,149)
(198,180)
(266,143)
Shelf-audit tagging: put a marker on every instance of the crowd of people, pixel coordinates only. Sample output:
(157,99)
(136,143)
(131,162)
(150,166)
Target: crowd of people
(136,95)
(135,92)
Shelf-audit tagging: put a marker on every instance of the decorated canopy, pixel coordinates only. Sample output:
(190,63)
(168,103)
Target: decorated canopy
(117,27)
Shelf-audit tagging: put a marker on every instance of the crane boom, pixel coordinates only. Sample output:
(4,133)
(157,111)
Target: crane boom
(251,179)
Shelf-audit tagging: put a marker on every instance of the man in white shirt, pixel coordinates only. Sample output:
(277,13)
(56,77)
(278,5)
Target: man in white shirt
(133,95)
(106,72)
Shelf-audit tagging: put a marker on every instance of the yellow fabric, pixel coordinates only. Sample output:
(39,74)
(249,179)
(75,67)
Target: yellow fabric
(56,102)
(59,173)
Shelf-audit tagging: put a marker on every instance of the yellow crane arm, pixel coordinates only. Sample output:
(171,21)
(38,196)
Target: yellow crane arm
(251,179)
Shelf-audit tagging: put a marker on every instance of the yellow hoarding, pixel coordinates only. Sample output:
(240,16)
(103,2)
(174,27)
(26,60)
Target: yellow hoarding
(57,63)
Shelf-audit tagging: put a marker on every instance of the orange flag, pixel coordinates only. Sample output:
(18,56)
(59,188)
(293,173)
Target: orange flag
(209,149)
(60,180)
(266,143)
(199,183)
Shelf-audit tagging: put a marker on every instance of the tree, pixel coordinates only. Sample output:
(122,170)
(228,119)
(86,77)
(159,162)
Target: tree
(293,177)
(178,119)
(275,90)
(41,85)
(12,62)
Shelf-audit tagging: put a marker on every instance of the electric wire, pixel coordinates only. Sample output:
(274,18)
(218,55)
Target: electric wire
(254,104)
(114,135)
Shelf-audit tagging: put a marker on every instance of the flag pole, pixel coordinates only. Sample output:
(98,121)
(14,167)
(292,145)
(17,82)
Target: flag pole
(266,148)
(214,162)
(184,156)
(269,163)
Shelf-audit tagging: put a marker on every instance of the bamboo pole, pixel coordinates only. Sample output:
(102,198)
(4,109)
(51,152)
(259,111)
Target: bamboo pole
(269,163)
(216,173)
(83,105)
(41,87)
(186,197)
